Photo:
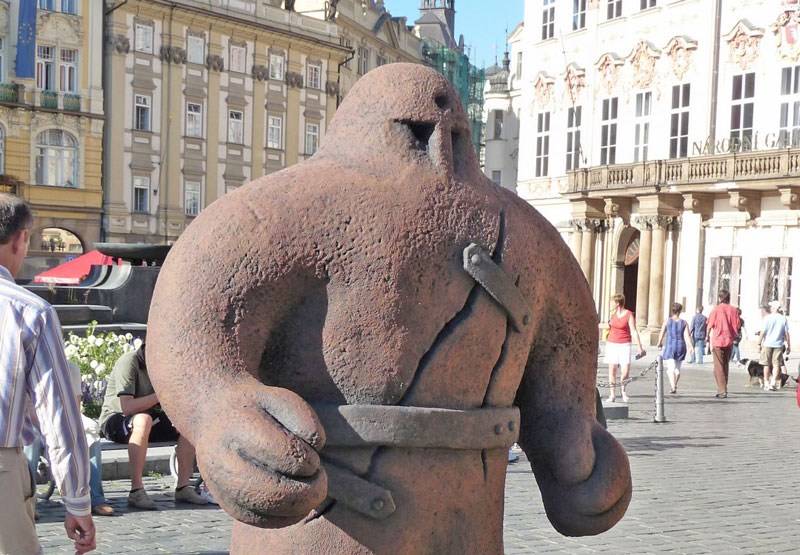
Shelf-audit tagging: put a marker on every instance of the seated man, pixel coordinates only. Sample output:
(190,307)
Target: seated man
(131,415)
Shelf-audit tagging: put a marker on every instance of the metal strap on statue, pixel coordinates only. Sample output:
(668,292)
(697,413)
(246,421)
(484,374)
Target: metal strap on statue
(422,427)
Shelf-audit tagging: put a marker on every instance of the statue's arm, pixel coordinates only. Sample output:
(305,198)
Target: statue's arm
(582,471)
(224,286)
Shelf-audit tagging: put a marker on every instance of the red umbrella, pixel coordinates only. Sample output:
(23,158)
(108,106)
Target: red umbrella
(74,271)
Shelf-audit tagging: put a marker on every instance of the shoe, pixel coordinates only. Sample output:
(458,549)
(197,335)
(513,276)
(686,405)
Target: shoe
(721,395)
(36,515)
(625,397)
(673,390)
(611,399)
(208,496)
(186,494)
(773,387)
(141,500)
(103,509)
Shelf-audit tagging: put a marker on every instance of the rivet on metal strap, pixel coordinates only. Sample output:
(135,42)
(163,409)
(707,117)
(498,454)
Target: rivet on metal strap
(377,504)
(498,429)
(512,425)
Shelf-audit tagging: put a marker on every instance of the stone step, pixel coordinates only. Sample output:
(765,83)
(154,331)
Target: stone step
(116,465)
(615,411)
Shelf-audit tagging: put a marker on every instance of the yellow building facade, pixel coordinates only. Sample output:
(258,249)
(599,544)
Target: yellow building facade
(203,97)
(51,126)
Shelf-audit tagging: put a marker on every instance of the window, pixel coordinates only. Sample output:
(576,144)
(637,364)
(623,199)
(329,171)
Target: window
(497,176)
(67,70)
(641,136)
(347,43)
(644,4)
(497,117)
(2,150)
(238,59)
(191,198)
(141,194)
(235,127)
(56,159)
(313,76)
(613,9)
(2,59)
(312,138)
(578,14)
(679,123)
(790,106)
(194,120)
(68,6)
(47,5)
(725,274)
(743,91)
(143,38)
(542,143)
(548,18)
(275,132)
(195,50)
(380,60)
(141,114)
(363,60)
(276,67)
(574,138)
(775,280)
(608,132)
(519,65)
(45,68)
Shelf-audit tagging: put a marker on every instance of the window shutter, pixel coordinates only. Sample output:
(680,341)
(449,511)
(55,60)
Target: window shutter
(762,282)
(784,282)
(714,282)
(736,266)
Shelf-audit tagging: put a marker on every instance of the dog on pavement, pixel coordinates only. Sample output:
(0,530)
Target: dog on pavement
(756,371)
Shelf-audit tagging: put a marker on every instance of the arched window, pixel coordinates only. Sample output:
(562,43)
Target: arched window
(56,159)
(2,150)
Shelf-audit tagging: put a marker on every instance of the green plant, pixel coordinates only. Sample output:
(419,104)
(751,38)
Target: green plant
(95,356)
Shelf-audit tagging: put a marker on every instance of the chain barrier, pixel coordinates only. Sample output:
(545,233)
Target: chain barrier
(601,383)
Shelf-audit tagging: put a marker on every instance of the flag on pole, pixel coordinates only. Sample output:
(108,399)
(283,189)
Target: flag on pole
(26,40)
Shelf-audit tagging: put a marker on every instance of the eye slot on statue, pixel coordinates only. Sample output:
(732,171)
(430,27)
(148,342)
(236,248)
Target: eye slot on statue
(441,101)
(419,133)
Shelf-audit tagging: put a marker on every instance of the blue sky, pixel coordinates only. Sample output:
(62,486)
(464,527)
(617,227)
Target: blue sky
(482,23)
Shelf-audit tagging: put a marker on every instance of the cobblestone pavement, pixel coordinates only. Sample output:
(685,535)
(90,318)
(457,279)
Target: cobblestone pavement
(715,478)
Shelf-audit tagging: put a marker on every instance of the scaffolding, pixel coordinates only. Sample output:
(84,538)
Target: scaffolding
(468,80)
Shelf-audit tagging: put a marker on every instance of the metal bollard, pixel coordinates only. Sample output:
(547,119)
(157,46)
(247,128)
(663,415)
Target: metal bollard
(659,399)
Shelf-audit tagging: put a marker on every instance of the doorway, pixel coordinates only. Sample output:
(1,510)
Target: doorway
(631,271)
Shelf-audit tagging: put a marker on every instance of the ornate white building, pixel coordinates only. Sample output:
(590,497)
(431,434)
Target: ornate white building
(662,138)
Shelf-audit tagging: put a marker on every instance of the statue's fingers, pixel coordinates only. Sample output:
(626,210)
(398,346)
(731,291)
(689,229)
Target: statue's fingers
(293,413)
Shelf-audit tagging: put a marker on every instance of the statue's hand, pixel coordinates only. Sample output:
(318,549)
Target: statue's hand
(258,452)
(583,474)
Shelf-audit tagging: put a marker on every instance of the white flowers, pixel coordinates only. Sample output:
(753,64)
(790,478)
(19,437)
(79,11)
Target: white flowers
(137,343)
(93,364)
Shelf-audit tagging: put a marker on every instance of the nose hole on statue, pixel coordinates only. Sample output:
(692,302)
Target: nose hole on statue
(441,101)
(419,133)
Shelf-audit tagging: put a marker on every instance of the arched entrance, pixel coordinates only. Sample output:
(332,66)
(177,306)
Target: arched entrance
(631,270)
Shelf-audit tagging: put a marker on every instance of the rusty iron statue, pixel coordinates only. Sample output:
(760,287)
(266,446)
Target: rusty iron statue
(353,343)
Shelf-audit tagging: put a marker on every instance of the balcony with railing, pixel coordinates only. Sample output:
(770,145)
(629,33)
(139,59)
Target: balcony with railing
(702,170)
(49,99)
(10,92)
(72,102)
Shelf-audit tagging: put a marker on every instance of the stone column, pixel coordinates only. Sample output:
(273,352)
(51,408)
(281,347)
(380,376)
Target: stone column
(295,132)
(214,185)
(643,278)
(587,252)
(575,239)
(656,297)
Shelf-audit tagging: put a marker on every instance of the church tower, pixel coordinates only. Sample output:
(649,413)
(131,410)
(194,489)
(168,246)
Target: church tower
(437,22)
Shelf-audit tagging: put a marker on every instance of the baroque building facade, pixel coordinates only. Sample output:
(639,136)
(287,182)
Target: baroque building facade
(204,96)
(51,124)
(369,31)
(662,138)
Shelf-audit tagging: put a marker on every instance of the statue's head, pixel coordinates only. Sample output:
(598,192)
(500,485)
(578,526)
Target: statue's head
(403,113)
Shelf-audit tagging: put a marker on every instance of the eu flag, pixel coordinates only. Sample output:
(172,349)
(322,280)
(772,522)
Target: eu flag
(26,39)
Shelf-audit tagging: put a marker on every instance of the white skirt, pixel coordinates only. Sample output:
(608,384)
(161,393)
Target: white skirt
(618,353)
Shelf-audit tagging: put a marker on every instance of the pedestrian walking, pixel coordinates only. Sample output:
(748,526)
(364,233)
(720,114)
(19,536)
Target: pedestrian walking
(698,333)
(678,341)
(772,342)
(742,333)
(622,329)
(722,327)
(34,373)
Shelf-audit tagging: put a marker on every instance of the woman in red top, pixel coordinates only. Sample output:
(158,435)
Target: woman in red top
(622,327)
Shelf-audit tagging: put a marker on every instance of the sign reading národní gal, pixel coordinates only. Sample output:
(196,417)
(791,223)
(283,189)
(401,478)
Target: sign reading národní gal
(770,141)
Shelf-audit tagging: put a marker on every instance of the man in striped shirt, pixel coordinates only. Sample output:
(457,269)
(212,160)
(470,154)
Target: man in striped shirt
(33,370)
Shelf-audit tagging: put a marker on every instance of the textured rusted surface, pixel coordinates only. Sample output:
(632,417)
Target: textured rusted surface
(341,281)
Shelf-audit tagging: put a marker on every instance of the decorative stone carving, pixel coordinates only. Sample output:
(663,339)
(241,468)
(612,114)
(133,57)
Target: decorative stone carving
(680,51)
(120,43)
(66,29)
(790,197)
(743,41)
(332,88)
(657,221)
(589,225)
(260,72)
(3,16)
(294,79)
(330,13)
(618,207)
(288,5)
(699,203)
(746,201)
(643,62)
(574,83)
(366,352)
(172,54)
(215,62)
(543,90)
(608,68)
(787,32)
